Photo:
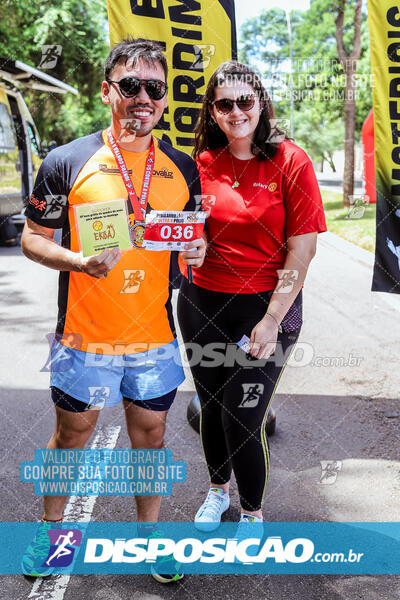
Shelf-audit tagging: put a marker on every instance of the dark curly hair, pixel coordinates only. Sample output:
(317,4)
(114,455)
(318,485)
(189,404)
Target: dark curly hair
(209,136)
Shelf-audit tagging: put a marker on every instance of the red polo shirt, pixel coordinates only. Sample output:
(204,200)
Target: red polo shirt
(248,225)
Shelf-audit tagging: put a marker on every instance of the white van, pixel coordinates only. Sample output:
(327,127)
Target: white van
(20,149)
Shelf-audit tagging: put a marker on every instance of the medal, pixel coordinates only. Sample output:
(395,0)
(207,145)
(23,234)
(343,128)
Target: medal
(138,233)
(138,206)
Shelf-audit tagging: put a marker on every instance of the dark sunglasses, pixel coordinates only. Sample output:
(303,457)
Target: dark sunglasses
(130,86)
(225,105)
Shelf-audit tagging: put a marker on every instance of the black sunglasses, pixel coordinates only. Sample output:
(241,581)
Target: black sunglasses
(225,105)
(131,86)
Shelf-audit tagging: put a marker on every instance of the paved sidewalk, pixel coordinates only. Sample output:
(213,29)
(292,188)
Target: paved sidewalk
(342,405)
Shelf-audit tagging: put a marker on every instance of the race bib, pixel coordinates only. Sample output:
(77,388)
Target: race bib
(171,230)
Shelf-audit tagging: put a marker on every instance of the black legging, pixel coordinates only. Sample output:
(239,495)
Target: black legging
(236,395)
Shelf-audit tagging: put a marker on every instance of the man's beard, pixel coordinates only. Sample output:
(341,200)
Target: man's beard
(145,130)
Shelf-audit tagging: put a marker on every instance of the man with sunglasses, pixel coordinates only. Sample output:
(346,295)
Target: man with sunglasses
(117,304)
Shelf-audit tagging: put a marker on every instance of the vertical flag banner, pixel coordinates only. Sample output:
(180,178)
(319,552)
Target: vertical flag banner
(196,38)
(384,28)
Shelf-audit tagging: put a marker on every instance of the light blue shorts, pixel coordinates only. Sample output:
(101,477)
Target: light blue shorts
(103,380)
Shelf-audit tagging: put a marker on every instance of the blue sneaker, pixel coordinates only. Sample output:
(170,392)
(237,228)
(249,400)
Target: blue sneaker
(33,560)
(208,517)
(166,569)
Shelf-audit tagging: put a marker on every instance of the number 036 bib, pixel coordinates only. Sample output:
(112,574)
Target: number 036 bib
(172,230)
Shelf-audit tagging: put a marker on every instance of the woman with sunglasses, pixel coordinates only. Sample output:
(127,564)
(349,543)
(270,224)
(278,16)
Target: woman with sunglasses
(265,212)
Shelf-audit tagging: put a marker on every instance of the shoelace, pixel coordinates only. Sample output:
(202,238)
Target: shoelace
(42,543)
(212,504)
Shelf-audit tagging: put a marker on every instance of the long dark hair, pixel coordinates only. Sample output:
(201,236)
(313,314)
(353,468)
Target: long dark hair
(209,136)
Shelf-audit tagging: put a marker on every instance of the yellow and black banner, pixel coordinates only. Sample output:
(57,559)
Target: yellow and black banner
(384,27)
(197,36)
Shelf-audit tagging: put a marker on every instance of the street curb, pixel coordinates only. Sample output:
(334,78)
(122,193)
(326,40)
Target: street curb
(360,255)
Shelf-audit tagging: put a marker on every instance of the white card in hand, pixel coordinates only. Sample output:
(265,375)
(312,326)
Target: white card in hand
(244,344)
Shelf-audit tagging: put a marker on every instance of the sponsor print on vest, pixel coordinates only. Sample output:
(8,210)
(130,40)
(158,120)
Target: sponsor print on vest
(163,172)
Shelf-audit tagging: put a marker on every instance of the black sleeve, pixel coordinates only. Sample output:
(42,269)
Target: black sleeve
(48,204)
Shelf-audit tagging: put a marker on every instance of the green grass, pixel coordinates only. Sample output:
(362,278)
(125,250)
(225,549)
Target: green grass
(359,231)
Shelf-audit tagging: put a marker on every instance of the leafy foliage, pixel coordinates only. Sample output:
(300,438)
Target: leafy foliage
(80,28)
(318,78)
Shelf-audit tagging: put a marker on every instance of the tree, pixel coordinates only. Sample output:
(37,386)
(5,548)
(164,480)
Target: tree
(318,136)
(265,43)
(319,77)
(80,28)
(348,60)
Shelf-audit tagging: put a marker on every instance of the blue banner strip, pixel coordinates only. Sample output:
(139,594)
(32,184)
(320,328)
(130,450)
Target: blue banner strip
(122,548)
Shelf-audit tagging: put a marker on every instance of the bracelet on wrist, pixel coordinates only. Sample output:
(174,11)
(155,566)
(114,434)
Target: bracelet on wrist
(276,321)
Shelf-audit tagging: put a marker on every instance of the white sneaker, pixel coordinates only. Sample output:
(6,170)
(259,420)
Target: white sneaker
(245,518)
(250,527)
(208,517)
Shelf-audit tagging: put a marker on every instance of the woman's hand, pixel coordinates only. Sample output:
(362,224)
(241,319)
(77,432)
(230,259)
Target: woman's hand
(194,252)
(264,337)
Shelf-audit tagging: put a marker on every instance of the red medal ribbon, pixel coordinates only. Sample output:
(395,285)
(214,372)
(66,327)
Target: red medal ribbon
(139,206)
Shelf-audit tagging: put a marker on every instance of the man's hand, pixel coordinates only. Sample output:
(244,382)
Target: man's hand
(194,252)
(99,265)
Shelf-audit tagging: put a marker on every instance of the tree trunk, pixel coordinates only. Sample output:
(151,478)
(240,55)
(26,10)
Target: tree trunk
(349,136)
(349,65)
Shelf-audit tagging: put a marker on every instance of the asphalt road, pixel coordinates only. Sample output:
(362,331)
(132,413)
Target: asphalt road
(326,411)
